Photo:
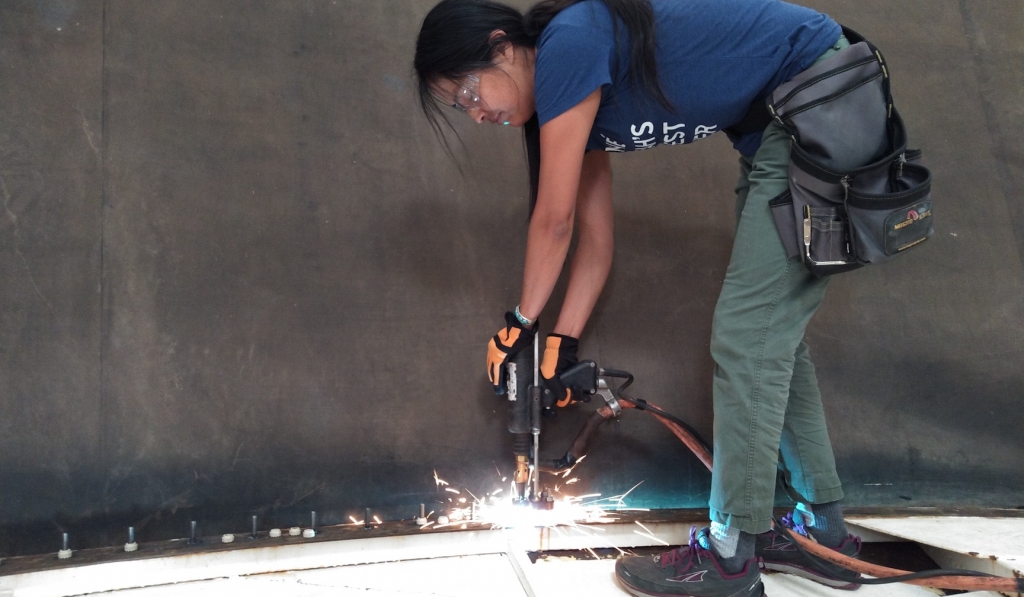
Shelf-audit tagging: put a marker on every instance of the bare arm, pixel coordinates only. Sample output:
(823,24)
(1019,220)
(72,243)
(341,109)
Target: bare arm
(593,258)
(563,141)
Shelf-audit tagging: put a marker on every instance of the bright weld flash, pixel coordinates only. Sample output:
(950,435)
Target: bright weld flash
(567,514)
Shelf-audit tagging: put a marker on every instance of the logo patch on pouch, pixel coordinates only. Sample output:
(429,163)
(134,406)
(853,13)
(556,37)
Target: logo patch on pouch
(913,216)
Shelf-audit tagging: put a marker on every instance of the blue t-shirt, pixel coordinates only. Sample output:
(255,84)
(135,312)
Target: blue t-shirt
(715,58)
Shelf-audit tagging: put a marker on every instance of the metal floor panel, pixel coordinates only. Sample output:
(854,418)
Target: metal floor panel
(470,577)
(466,564)
(992,545)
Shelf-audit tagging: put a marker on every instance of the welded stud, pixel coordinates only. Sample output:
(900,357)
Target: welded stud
(65,552)
(422,518)
(254,534)
(131,545)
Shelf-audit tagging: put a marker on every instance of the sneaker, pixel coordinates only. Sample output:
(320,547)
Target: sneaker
(692,570)
(779,554)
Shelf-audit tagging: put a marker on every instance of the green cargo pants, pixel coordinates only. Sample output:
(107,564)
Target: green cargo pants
(768,412)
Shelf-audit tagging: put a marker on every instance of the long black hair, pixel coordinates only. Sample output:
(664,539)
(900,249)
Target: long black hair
(455,40)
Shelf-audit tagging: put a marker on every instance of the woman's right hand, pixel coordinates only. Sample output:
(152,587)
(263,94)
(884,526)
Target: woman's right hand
(504,345)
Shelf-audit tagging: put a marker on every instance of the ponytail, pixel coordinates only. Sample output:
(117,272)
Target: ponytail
(455,41)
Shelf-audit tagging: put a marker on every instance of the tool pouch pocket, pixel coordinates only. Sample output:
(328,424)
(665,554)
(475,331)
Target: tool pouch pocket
(856,194)
(885,224)
(825,229)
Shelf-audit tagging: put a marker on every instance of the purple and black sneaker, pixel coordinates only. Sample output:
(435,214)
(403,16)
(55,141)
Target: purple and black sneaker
(692,570)
(779,554)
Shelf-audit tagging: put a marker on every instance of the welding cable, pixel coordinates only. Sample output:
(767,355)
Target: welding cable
(581,444)
(962,580)
(640,404)
(690,440)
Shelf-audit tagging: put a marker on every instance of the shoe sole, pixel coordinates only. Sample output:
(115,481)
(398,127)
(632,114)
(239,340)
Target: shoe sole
(809,574)
(642,593)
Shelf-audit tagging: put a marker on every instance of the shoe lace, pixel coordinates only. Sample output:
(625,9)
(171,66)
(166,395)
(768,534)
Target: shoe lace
(799,527)
(789,522)
(682,556)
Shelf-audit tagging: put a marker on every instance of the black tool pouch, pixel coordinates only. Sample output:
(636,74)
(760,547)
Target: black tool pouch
(856,194)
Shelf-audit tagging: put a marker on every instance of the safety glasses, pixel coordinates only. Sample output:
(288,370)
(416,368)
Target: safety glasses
(467,96)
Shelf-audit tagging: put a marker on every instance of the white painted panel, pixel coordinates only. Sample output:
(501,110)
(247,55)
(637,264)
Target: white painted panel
(999,537)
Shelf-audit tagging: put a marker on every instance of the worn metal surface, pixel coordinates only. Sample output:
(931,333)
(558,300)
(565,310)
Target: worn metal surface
(990,545)
(348,558)
(240,275)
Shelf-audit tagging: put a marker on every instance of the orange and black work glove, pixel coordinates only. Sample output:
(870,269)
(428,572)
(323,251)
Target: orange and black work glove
(559,355)
(504,345)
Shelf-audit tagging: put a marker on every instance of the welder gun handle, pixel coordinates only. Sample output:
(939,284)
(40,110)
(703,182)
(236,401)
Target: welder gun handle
(582,376)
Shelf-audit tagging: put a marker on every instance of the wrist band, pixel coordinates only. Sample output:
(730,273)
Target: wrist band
(522,319)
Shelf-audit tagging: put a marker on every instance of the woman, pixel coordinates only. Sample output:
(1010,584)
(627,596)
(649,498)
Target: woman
(593,77)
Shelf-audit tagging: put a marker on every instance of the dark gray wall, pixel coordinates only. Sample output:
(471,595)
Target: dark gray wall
(241,276)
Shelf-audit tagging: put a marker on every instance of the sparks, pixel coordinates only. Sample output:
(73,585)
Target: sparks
(623,496)
(649,534)
(569,513)
(652,537)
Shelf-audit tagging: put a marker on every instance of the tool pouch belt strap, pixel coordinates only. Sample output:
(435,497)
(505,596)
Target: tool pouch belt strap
(856,194)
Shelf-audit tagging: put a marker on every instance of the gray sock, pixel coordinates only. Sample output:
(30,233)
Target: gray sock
(827,524)
(732,546)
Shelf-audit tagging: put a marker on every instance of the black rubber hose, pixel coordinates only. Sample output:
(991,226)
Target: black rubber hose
(855,578)
(644,405)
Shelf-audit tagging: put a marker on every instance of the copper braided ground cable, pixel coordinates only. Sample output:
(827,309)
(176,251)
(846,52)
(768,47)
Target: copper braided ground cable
(960,583)
(684,436)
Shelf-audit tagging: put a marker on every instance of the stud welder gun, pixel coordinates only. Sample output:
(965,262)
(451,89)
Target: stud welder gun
(528,400)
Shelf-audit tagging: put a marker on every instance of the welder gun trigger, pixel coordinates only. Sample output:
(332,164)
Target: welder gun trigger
(586,377)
